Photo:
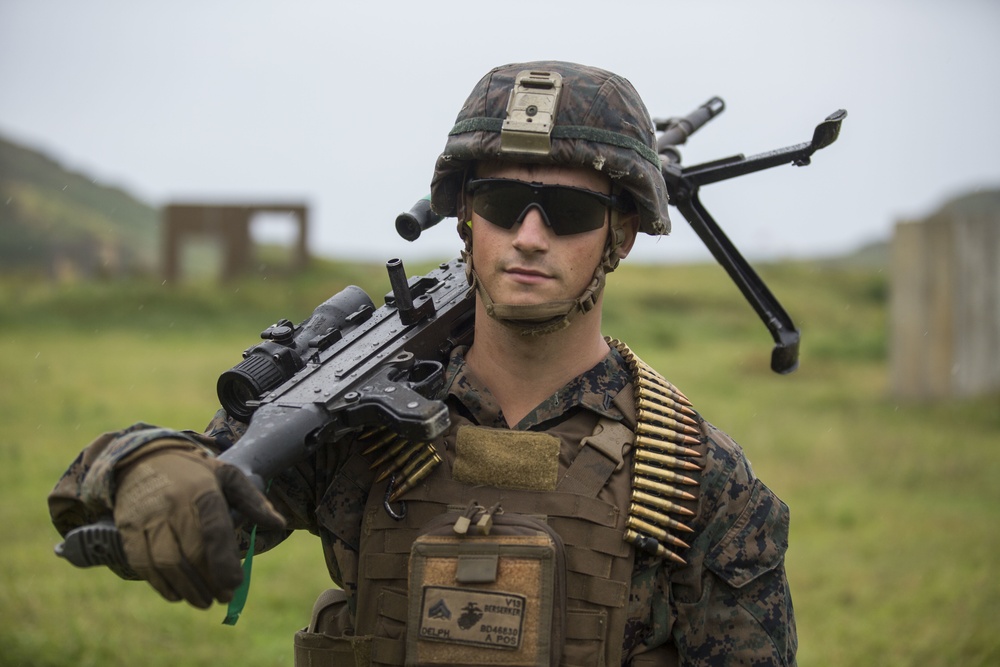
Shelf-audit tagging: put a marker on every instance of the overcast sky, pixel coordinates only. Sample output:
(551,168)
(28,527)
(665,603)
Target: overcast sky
(346,105)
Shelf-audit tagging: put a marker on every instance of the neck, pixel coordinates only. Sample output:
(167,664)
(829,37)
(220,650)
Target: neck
(522,371)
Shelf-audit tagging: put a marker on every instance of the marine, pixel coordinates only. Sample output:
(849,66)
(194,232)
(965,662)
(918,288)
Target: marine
(574,476)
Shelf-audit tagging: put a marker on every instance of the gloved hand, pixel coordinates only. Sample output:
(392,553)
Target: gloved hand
(172,508)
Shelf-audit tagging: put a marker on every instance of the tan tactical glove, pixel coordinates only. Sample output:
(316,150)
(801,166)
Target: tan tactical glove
(172,508)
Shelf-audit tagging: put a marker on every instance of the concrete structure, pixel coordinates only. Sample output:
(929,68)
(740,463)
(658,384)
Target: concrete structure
(945,302)
(230,226)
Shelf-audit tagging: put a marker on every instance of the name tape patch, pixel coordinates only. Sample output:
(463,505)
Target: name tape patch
(459,616)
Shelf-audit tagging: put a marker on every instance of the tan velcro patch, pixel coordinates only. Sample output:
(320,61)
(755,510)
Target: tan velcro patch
(507,459)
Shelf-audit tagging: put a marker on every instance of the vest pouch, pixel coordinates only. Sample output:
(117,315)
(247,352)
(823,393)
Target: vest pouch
(486,588)
(662,656)
(329,640)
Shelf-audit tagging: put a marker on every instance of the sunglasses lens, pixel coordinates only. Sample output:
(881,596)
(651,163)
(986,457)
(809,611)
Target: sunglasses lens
(499,204)
(567,210)
(575,211)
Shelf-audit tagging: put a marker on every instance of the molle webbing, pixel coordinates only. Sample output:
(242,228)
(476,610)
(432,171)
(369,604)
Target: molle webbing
(590,548)
(663,461)
(598,561)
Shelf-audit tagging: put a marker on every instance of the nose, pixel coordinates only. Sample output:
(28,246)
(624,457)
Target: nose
(532,233)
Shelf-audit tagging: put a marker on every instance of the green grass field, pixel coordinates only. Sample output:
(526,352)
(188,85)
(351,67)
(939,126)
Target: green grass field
(895,506)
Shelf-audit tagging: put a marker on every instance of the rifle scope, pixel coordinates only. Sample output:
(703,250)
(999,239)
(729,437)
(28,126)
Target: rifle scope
(286,349)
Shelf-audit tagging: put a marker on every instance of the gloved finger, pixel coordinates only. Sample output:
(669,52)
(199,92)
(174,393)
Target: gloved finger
(137,554)
(221,560)
(175,571)
(246,499)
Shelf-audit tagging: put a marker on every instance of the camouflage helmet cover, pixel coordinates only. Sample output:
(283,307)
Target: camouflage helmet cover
(600,122)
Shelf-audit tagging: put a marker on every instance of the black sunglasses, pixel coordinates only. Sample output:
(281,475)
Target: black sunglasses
(566,209)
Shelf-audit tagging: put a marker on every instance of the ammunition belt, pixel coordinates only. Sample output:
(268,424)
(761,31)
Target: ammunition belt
(665,434)
(406,462)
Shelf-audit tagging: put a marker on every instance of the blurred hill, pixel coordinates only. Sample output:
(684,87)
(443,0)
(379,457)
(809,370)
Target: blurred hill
(60,223)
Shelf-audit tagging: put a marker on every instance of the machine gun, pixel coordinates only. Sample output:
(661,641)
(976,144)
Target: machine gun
(350,366)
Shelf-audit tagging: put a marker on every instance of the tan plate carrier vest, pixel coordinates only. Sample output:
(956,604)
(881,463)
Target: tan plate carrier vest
(602,507)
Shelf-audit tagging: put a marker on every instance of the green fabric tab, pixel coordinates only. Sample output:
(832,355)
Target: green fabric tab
(243,590)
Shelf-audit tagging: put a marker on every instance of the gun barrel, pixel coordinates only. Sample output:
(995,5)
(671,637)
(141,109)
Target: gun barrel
(677,130)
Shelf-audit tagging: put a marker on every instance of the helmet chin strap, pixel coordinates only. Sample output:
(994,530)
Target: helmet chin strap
(545,318)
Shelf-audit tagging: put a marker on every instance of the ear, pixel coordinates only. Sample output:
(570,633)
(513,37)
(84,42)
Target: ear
(630,226)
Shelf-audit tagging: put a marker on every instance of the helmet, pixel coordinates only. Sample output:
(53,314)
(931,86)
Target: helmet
(554,112)
(551,112)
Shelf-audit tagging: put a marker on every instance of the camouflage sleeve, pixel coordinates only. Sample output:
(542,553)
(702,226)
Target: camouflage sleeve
(86,490)
(731,603)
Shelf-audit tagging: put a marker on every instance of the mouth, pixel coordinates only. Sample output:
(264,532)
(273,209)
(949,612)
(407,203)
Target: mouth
(527,274)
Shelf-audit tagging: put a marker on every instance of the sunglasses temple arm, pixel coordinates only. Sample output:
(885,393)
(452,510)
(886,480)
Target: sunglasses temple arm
(417,220)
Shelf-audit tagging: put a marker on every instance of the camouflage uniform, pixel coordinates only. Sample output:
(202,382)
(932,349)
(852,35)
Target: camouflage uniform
(729,605)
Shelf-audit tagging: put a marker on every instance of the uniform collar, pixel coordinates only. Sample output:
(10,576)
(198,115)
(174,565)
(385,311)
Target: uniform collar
(594,390)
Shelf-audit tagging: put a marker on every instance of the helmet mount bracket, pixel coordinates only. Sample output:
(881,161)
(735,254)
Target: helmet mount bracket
(531,113)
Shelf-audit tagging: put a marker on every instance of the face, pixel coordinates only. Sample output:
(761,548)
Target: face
(529,264)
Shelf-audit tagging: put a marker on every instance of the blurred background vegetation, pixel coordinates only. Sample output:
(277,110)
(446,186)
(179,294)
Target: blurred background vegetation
(894,505)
